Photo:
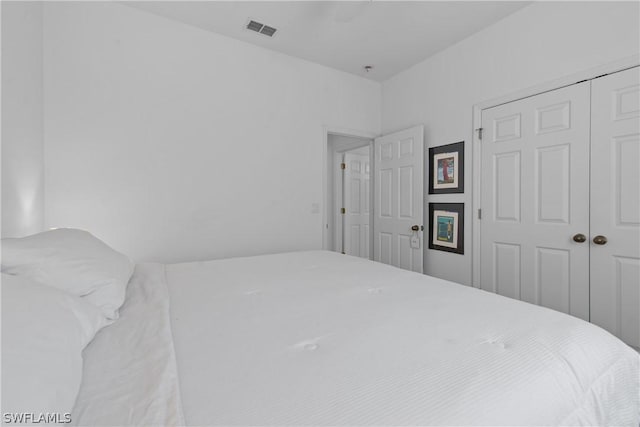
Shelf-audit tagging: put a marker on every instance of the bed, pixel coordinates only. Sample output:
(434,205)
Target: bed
(303,338)
(318,338)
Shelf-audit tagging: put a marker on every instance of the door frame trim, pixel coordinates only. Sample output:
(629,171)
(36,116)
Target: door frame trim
(326,193)
(588,74)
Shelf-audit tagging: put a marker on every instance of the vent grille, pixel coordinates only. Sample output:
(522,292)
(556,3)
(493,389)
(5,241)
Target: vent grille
(254,26)
(268,31)
(261,28)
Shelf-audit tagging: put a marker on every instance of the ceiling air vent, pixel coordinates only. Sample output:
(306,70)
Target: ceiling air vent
(261,28)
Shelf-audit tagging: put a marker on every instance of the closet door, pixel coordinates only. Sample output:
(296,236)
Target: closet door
(535,200)
(615,204)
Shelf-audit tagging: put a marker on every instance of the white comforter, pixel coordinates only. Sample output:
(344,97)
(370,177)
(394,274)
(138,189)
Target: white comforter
(317,338)
(129,374)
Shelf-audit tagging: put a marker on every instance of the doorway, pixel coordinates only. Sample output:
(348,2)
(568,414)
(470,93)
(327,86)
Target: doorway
(394,197)
(349,210)
(356,207)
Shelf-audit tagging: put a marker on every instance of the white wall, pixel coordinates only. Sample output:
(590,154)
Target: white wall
(22,146)
(172,143)
(539,43)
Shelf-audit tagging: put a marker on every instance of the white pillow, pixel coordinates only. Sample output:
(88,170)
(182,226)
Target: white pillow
(44,331)
(74,261)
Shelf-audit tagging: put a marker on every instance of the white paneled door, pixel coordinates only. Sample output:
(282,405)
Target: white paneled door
(398,212)
(615,204)
(356,193)
(535,200)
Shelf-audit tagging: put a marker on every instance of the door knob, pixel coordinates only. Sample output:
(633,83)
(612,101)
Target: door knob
(580,238)
(600,240)
(415,227)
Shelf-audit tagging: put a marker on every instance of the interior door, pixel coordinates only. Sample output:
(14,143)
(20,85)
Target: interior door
(356,192)
(535,200)
(398,182)
(615,204)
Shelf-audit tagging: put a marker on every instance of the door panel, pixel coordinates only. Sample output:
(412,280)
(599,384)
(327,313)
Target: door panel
(553,284)
(507,259)
(552,187)
(385,250)
(615,204)
(506,184)
(535,198)
(399,164)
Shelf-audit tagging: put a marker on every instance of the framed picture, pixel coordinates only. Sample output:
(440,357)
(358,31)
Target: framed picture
(446,169)
(446,227)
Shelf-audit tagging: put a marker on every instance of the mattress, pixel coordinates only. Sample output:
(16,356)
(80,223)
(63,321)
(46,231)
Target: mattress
(318,338)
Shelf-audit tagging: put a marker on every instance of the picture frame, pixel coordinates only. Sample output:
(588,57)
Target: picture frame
(446,169)
(446,227)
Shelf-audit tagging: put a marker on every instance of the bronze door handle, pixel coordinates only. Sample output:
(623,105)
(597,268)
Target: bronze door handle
(600,240)
(580,238)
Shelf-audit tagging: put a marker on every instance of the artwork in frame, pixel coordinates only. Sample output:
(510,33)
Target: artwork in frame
(446,169)
(446,227)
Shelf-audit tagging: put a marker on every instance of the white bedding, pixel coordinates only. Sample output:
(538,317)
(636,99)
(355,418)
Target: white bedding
(129,375)
(317,338)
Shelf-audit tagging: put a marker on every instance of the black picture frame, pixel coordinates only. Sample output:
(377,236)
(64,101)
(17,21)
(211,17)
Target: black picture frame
(451,153)
(440,216)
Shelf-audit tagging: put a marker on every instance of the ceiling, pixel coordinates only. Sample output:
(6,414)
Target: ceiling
(346,35)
